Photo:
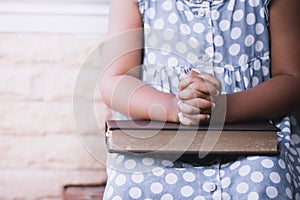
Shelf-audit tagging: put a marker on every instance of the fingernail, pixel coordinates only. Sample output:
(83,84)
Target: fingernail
(180,115)
(208,116)
(179,102)
(213,105)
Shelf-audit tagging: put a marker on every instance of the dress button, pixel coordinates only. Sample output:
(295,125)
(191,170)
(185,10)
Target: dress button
(209,187)
(201,12)
(205,57)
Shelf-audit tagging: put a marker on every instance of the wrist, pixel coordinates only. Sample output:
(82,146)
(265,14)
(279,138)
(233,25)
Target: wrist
(173,110)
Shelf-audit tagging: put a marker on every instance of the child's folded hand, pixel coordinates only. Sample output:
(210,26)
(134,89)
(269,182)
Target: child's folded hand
(196,94)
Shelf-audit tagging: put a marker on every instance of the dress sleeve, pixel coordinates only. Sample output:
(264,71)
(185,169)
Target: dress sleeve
(141,4)
(266,8)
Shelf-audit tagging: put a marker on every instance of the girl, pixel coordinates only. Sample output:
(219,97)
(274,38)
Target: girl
(196,53)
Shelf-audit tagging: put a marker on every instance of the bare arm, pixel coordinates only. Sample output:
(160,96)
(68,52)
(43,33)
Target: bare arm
(119,85)
(280,95)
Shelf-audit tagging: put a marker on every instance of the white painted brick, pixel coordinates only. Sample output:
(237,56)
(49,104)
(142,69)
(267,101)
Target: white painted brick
(38,49)
(36,184)
(43,118)
(64,152)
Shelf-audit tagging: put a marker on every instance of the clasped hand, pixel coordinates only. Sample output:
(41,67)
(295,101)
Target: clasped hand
(196,96)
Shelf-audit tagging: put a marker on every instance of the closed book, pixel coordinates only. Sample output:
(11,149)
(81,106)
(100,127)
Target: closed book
(142,136)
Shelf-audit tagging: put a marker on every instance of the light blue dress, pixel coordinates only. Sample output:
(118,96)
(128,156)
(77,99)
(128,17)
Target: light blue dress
(228,38)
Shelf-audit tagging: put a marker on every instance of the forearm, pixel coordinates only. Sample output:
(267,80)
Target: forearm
(270,100)
(134,98)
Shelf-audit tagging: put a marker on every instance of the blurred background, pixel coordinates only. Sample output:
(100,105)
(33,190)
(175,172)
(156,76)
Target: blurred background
(42,46)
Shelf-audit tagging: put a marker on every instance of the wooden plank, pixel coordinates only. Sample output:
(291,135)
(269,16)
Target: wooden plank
(83,192)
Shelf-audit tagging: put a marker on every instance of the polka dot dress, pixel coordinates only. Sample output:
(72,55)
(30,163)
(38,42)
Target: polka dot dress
(227,38)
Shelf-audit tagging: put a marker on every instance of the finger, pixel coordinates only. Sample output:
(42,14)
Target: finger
(202,104)
(187,79)
(190,93)
(186,121)
(193,119)
(205,87)
(188,109)
(213,80)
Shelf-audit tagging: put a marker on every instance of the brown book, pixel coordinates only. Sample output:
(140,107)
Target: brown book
(142,136)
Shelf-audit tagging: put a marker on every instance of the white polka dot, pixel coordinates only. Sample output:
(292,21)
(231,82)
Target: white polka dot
(120,180)
(209,38)
(172,62)
(257,65)
(262,13)
(198,27)
(167,197)
(167,5)
(235,165)
(119,159)
(230,6)
(265,70)
(255,81)
(253,3)
(167,163)
(151,58)
(271,192)
(242,188)
(168,34)
(180,6)
(189,177)
(244,170)
(150,13)
(234,49)
(218,41)
(225,182)
(237,76)
(267,163)
(225,196)
(249,40)
(243,59)
(238,15)
(199,198)
(181,47)
(259,46)
(117,198)
(224,25)
(159,23)
(209,172)
(135,192)
(253,196)
(289,193)
(246,81)
(193,42)
(192,58)
(288,178)
(166,49)
(215,14)
(228,79)
(209,187)
(112,174)
(171,178)
(152,40)
(259,28)
(109,192)
(130,164)
(185,29)
(186,191)
(209,52)
(281,163)
(257,177)
(250,19)
(189,15)
(156,188)
(235,33)
(137,177)
(173,18)
(158,171)
(218,57)
(274,177)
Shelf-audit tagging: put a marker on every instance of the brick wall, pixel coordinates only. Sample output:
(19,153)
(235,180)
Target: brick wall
(40,150)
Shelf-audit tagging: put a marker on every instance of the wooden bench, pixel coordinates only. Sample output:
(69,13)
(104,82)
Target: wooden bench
(83,192)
